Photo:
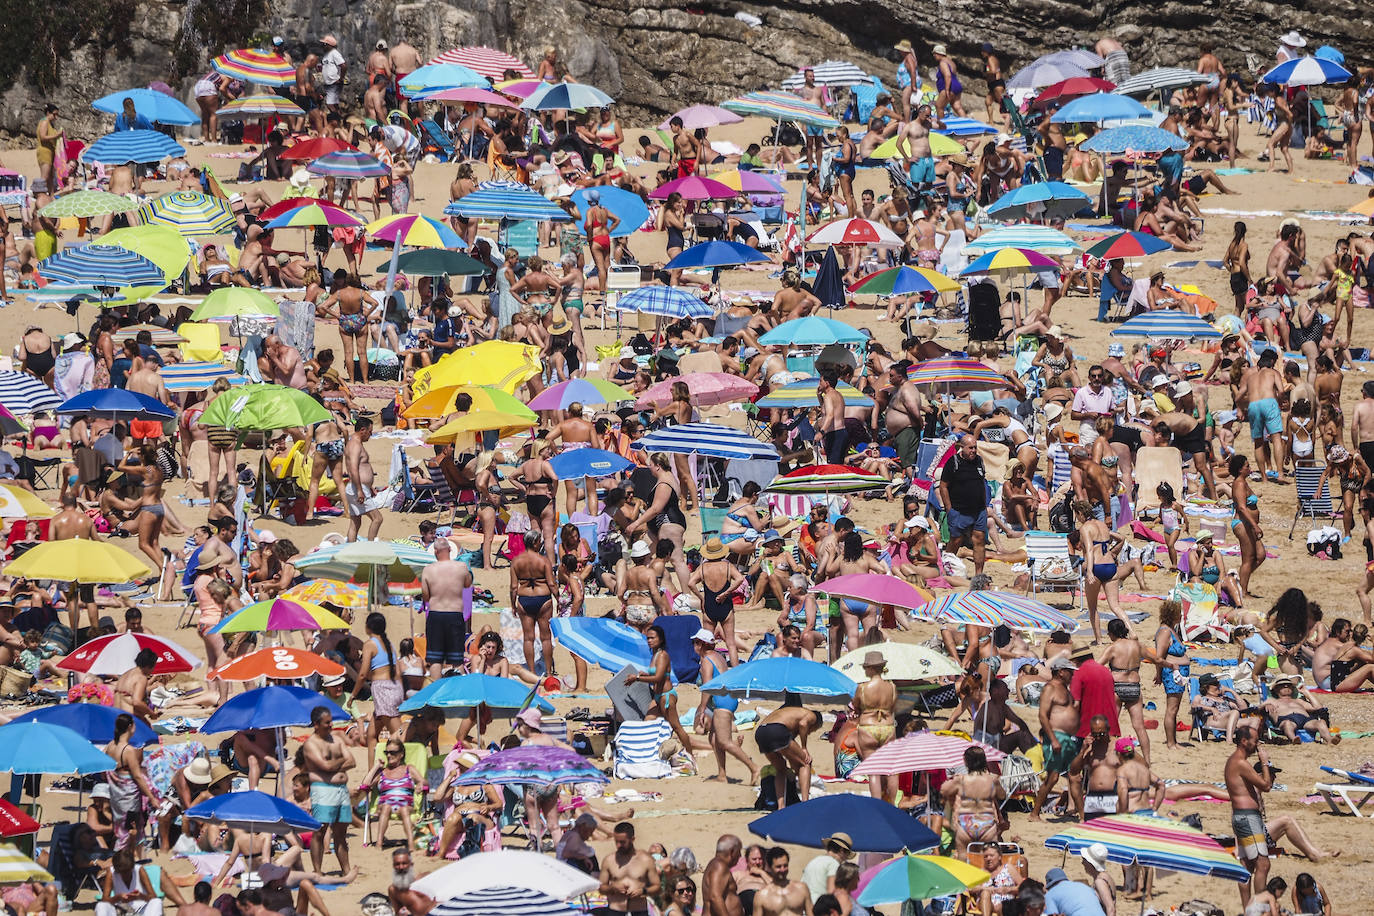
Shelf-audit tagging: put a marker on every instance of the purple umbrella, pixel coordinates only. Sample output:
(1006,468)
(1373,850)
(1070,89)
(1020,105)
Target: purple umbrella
(532,764)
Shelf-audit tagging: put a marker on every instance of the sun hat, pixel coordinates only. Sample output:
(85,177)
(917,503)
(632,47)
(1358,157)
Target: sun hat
(72,340)
(467,760)
(771,535)
(840,839)
(714,549)
(1203,536)
(1096,854)
(939,51)
(1293,39)
(917,521)
(627,353)
(1160,381)
(197,772)
(704,635)
(1116,349)
(874,659)
(330,40)
(1062,663)
(640,549)
(903,45)
(209,561)
(562,157)
(334,680)
(101,790)
(1183,389)
(1053,412)
(1003,138)
(593,196)
(530,718)
(300,179)
(1055,331)
(960,159)
(219,772)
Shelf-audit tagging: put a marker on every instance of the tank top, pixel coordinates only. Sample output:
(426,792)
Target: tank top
(382,658)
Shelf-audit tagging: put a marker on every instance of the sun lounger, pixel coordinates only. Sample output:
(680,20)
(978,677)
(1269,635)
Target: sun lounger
(1355,785)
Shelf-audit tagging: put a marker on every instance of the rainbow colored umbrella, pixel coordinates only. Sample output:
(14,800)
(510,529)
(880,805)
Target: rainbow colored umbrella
(582,391)
(331,591)
(780,106)
(1153,842)
(314,148)
(993,609)
(1009,261)
(904,281)
(280,614)
(266,68)
(1128,245)
(956,374)
(917,877)
(259,106)
(348,163)
(920,752)
(413,229)
(747,182)
(877,589)
(315,213)
(827,478)
(802,394)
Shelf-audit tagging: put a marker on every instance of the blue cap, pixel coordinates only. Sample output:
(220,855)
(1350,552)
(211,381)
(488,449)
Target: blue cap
(771,535)
(1054,876)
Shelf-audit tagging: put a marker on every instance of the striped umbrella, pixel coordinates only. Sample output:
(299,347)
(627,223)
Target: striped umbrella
(829,73)
(855,231)
(705,439)
(1154,842)
(1079,57)
(259,106)
(345,595)
(566,97)
(342,561)
(158,107)
(441,76)
(1006,261)
(802,394)
(158,336)
(695,116)
(1134,139)
(1128,245)
(317,213)
(917,877)
(707,388)
(956,374)
(780,106)
(413,229)
(88,203)
(827,478)
(16,868)
(1040,200)
(581,391)
(197,376)
(607,643)
(1161,79)
(508,901)
(489,62)
(920,752)
(1168,324)
(538,765)
(21,393)
(1025,236)
(993,609)
(190,213)
(904,281)
(314,148)
(266,68)
(114,654)
(667,301)
(506,200)
(348,163)
(101,266)
(1307,71)
(124,146)
(694,187)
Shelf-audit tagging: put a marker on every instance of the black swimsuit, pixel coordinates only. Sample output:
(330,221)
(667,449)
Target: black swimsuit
(671,514)
(538,502)
(717,605)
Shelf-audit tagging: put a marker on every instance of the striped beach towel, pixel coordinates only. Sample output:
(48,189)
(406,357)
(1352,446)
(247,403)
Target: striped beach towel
(637,747)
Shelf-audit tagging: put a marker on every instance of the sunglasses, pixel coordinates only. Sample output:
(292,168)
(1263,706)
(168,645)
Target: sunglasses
(686,890)
(393,752)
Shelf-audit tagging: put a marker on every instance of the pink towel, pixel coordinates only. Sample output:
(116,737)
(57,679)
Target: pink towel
(1148,533)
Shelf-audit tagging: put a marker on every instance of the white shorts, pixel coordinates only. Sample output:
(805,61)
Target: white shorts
(377,500)
(331,93)
(206,89)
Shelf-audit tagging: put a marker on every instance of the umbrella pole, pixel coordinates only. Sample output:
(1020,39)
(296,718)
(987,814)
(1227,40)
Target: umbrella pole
(391,268)
(281,762)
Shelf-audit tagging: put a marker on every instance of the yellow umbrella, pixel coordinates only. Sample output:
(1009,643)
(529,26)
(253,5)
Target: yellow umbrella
(78,560)
(16,502)
(339,594)
(439,402)
(1364,207)
(16,868)
(940,145)
(476,422)
(498,363)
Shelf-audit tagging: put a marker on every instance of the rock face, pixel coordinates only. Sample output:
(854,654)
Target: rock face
(654,56)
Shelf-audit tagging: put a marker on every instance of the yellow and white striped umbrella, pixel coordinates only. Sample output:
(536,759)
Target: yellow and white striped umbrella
(15,867)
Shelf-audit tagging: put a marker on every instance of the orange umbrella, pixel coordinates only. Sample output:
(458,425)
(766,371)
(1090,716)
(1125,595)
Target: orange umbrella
(280,662)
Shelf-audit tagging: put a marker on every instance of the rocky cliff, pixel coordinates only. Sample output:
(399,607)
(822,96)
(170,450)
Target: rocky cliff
(651,55)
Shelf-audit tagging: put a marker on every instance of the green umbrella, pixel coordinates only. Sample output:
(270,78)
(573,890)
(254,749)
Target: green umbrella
(235,301)
(437,262)
(88,203)
(264,407)
(160,244)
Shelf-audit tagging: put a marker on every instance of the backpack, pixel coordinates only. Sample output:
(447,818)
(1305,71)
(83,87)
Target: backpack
(1061,517)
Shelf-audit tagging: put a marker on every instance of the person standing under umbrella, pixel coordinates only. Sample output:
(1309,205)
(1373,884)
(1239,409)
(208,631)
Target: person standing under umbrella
(131,794)
(327,763)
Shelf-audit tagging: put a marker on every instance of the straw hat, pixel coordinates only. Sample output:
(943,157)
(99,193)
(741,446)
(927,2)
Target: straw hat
(840,839)
(561,323)
(713,549)
(960,159)
(198,772)
(939,51)
(334,680)
(904,46)
(874,659)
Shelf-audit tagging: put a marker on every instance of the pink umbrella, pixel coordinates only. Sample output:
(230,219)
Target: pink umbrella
(876,588)
(489,62)
(695,188)
(471,94)
(855,231)
(521,88)
(707,388)
(696,116)
(921,751)
(114,655)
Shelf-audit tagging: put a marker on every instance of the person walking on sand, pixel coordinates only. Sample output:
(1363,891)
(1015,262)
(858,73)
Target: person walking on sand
(715,715)
(327,763)
(1246,784)
(359,497)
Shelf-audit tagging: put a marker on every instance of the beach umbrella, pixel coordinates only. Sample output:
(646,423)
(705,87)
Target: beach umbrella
(1160,79)
(706,388)
(1153,842)
(316,213)
(1127,245)
(916,877)
(827,478)
(1079,57)
(1099,107)
(956,374)
(438,262)
(1008,261)
(1071,88)
(1044,73)
(264,407)
(588,462)
(11,425)
(748,182)
(921,752)
(443,75)
(1363,208)
(895,146)
(1168,324)
(715,254)
(92,721)
(101,266)
(777,677)
(1040,200)
(802,394)
(601,641)
(342,561)
(873,824)
(581,391)
(694,187)
(191,214)
(812,330)
(906,661)
(464,691)
(266,68)
(329,591)
(828,73)
(274,706)
(21,393)
(275,614)
(163,245)
(536,765)
(116,404)
(507,868)
(158,107)
(489,62)
(706,439)
(314,148)
(1025,236)
(124,146)
(80,204)
(993,609)
(478,422)
(34,748)
(259,106)
(229,302)
(412,229)
(16,502)
(197,376)
(276,662)
(965,127)
(17,868)
(855,231)
(440,402)
(1307,71)
(877,588)
(698,116)
(904,281)
(508,901)
(16,822)
(567,97)
(113,655)
(252,811)
(626,206)
(498,363)
(780,106)
(665,301)
(78,560)
(1134,139)
(506,200)
(158,336)
(351,164)
(520,88)
(828,284)
(465,94)
(1327,52)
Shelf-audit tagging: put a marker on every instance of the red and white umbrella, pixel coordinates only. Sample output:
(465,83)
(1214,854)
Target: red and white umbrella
(921,751)
(489,62)
(707,388)
(114,655)
(855,231)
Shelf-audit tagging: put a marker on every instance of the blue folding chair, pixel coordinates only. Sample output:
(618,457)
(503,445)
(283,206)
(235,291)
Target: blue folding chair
(432,135)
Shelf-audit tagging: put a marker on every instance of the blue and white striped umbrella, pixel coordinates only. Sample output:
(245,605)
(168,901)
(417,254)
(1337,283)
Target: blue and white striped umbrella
(22,393)
(348,163)
(1134,139)
(706,439)
(101,266)
(964,127)
(1307,71)
(1043,239)
(1046,199)
(158,107)
(1168,324)
(608,643)
(132,146)
(668,301)
(197,376)
(566,96)
(508,901)
(506,200)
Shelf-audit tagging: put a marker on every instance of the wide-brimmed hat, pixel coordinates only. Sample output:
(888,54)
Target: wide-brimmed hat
(197,772)
(874,659)
(939,51)
(209,561)
(530,718)
(334,680)
(300,179)
(1293,39)
(72,340)
(1095,855)
(960,159)
(1203,536)
(1053,412)
(101,790)
(714,549)
(840,839)
(904,46)
(639,549)
(1055,331)
(562,157)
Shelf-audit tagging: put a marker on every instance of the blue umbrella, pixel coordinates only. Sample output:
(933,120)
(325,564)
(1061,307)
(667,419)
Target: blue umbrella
(1307,71)
(1326,52)
(668,301)
(344,163)
(506,900)
(132,146)
(93,722)
(829,283)
(464,691)
(873,825)
(779,676)
(252,811)
(40,747)
(102,266)
(716,254)
(1134,139)
(116,404)
(706,439)
(812,330)
(588,462)
(275,706)
(506,200)
(158,107)
(1168,324)
(626,206)
(1043,199)
(1099,107)
(566,96)
(442,76)
(607,643)
(965,127)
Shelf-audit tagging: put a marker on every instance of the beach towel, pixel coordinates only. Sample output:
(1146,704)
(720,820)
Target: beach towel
(1200,619)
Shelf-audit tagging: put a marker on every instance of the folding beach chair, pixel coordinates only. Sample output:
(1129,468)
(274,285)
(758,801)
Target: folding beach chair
(638,750)
(1155,465)
(1200,730)
(1051,565)
(1314,501)
(679,629)
(435,140)
(1354,792)
(711,519)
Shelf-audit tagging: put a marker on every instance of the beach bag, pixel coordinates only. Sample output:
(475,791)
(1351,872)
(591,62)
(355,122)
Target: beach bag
(1061,517)
(1324,542)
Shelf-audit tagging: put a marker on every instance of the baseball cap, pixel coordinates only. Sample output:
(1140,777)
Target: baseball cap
(1126,745)
(704,635)
(771,535)
(1054,876)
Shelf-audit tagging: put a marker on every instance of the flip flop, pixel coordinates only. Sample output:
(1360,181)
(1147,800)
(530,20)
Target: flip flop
(1271,476)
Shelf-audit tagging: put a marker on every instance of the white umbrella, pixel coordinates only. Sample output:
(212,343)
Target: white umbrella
(829,73)
(507,868)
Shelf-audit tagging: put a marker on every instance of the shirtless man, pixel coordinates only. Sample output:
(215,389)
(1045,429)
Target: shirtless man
(1090,481)
(791,301)
(378,64)
(780,896)
(1189,436)
(131,690)
(405,60)
(815,136)
(685,149)
(1260,389)
(252,269)
(629,876)
(307,96)
(1210,65)
(200,905)
(576,431)
(290,269)
(285,363)
(443,585)
(1099,760)
(831,436)
(1281,259)
(327,763)
(374,99)
(1362,429)
(147,380)
(1293,714)
(360,479)
(720,894)
(914,145)
(69,523)
(781,736)
(1058,727)
(905,416)
(1245,784)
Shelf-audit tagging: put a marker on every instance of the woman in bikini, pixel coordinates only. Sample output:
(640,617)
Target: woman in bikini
(874,701)
(664,691)
(716,580)
(1171,655)
(1100,547)
(490,659)
(973,803)
(539,480)
(853,559)
(1122,658)
(327,451)
(598,225)
(1246,524)
(1347,467)
(663,518)
(352,306)
(150,509)
(532,586)
(1208,566)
